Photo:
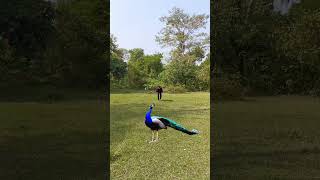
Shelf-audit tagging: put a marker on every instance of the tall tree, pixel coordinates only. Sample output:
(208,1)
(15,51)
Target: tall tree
(182,31)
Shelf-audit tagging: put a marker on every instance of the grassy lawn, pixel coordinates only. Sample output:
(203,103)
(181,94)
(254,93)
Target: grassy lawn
(267,138)
(53,140)
(176,155)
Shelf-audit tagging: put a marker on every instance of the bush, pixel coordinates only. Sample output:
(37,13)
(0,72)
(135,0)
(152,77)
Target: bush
(119,84)
(55,96)
(227,88)
(152,84)
(175,89)
(315,91)
(180,71)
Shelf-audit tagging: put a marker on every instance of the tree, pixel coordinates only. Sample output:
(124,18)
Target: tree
(243,36)
(118,68)
(78,50)
(152,65)
(203,74)
(7,61)
(181,72)
(26,27)
(136,54)
(298,45)
(143,68)
(184,34)
(182,31)
(113,44)
(269,53)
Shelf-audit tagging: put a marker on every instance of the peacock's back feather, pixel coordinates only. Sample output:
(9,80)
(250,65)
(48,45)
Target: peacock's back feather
(171,123)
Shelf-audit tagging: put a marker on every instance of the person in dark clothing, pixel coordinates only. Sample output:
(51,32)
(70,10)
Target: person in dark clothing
(159,91)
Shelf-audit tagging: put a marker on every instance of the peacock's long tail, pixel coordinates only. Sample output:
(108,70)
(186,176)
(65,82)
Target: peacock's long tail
(171,123)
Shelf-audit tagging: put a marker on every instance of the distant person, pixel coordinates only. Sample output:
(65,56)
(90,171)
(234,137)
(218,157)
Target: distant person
(159,91)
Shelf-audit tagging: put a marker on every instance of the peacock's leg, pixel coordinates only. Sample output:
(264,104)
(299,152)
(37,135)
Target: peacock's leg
(152,138)
(157,137)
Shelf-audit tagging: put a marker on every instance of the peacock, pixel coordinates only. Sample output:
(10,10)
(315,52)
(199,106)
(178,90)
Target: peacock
(156,123)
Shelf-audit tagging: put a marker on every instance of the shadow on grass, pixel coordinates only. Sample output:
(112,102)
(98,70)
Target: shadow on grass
(128,91)
(275,153)
(75,155)
(240,99)
(167,100)
(50,94)
(233,165)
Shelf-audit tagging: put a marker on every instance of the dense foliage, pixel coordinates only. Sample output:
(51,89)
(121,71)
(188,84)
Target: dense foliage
(263,52)
(58,44)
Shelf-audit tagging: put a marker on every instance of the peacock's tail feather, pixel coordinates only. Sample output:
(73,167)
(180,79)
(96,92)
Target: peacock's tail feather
(171,123)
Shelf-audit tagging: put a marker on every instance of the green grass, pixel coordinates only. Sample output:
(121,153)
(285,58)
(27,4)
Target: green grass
(53,140)
(267,138)
(176,155)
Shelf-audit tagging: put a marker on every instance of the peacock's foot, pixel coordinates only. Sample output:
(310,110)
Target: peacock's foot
(156,140)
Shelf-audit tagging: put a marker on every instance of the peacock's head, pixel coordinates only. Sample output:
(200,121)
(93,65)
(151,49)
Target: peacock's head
(152,105)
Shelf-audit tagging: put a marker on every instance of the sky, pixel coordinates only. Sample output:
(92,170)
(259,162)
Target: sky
(136,22)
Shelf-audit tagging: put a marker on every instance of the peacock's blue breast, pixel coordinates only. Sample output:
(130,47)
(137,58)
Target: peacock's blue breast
(148,120)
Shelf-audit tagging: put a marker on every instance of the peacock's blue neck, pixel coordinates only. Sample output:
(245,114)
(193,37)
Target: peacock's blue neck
(148,119)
